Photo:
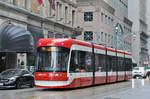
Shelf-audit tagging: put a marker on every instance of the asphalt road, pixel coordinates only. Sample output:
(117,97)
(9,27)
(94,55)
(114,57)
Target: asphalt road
(132,89)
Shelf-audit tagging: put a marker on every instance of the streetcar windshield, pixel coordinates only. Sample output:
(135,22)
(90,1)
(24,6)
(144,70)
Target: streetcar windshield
(53,59)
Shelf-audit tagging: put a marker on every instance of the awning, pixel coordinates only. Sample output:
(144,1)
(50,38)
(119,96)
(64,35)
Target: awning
(16,39)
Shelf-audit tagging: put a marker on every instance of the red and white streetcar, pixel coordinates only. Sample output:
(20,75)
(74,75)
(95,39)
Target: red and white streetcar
(69,63)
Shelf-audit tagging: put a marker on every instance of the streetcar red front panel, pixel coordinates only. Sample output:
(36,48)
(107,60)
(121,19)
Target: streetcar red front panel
(51,76)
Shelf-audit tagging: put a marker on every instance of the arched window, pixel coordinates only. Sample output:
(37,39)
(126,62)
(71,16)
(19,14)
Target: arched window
(118,37)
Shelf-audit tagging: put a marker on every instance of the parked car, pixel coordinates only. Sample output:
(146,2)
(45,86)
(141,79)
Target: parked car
(16,78)
(147,71)
(139,72)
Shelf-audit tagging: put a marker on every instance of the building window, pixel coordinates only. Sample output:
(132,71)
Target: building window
(112,22)
(57,11)
(50,9)
(73,18)
(102,36)
(60,11)
(102,17)
(50,34)
(112,40)
(109,39)
(15,2)
(88,16)
(66,14)
(26,4)
(88,35)
(105,38)
(108,20)
(105,19)
(58,35)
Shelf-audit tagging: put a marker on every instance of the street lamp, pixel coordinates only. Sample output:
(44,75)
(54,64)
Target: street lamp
(116,41)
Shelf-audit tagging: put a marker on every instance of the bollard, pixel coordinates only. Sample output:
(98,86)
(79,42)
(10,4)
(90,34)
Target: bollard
(149,79)
(142,82)
(133,83)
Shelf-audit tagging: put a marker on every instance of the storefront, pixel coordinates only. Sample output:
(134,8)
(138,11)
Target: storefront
(15,43)
(7,60)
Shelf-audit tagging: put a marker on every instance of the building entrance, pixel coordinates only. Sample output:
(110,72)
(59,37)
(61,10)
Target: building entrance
(2,61)
(8,60)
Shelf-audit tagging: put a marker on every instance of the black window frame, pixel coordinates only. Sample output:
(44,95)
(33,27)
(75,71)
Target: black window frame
(88,16)
(88,35)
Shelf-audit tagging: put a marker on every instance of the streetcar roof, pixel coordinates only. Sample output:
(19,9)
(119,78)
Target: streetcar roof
(66,42)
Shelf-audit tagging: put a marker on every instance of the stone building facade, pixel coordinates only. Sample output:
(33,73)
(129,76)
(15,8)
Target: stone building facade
(137,13)
(28,20)
(105,22)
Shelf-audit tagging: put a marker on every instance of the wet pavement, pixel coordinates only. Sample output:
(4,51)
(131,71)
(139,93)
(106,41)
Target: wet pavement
(140,90)
(132,89)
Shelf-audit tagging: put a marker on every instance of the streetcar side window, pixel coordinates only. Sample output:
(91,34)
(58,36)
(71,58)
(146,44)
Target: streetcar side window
(120,64)
(114,63)
(100,63)
(80,61)
(109,63)
(128,64)
(88,62)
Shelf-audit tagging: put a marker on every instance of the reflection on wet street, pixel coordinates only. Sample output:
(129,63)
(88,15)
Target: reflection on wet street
(140,82)
(109,91)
